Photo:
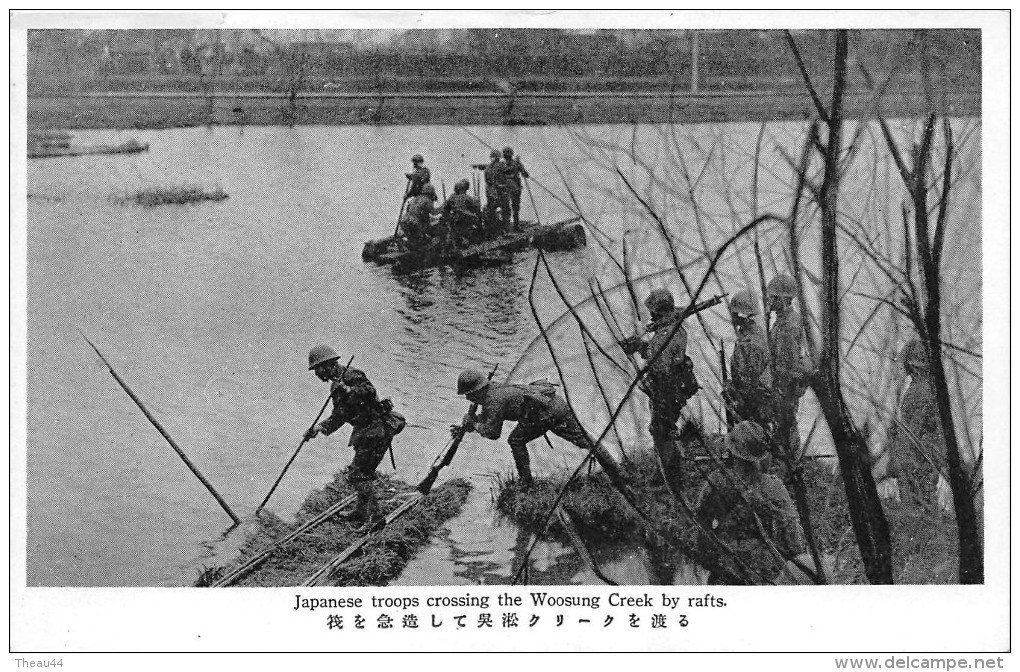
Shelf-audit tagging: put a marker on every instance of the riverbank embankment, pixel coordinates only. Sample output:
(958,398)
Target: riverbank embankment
(168,109)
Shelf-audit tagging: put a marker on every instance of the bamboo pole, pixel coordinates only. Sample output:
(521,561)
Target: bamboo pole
(161,430)
(303,442)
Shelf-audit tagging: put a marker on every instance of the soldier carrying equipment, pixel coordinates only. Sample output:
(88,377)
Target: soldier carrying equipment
(417,178)
(497,191)
(514,171)
(537,409)
(374,422)
(749,390)
(669,379)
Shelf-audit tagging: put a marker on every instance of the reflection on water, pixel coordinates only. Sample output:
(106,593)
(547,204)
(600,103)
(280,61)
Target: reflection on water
(208,311)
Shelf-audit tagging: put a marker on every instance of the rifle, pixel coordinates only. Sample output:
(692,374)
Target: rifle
(632,344)
(446,456)
(730,420)
(303,441)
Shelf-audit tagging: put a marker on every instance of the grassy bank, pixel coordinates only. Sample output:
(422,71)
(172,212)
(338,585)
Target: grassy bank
(133,110)
(379,561)
(924,539)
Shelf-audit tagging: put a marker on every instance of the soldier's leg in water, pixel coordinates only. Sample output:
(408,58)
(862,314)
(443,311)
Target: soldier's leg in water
(519,438)
(369,450)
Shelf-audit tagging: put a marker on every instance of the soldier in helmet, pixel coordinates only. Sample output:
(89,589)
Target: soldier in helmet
(789,368)
(373,420)
(537,409)
(462,215)
(749,510)
(497,192)
(748,391)
(417,220)
(514,171)
(916,446)
(669,375)
(417,178)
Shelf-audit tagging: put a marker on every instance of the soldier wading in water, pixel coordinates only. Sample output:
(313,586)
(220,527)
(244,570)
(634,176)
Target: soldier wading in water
(374,422)
(537,409)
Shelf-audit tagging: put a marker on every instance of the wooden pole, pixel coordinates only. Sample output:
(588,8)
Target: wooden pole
(166,435)
(301,445)
(403,202)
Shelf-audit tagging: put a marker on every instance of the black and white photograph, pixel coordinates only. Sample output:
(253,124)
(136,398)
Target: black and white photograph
(578,331)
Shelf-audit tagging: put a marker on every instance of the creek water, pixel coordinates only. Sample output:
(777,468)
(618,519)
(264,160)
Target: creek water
(208,311)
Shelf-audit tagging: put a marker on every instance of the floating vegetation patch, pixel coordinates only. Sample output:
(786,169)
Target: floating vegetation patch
(379,561)
(154,196)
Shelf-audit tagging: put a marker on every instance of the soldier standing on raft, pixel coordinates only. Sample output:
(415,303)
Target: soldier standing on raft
(537,409)
(417,219)
(462,216)
(497,192)
(374,425)
(514,171)
(417,178)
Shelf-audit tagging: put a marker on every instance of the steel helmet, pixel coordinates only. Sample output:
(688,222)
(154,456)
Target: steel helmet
(428,190)
(321,354)
(462,186)
(659,300)
(783,285)
(747,442)
(744,304)
(914,354)
(471,380)
(417,158)
(508,151)
(494,154)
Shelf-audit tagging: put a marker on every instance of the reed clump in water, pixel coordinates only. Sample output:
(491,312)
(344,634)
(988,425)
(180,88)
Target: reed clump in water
(181,195)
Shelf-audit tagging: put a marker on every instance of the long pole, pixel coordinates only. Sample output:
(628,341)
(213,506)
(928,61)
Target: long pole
(302,444)
(403,202)
(166,435)
(534,207)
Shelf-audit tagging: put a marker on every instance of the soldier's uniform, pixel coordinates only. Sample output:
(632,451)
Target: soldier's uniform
(669,382)
(537,409)
(417,220)
(463,217)
(750,386)
(730,507)
(355,402)
(419,177)
(749,511)
(514,171)
(788,369)
(917,445)
(497,194)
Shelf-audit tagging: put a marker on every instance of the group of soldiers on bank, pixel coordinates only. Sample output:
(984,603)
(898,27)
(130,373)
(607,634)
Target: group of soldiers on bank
(459,221)
(747,506)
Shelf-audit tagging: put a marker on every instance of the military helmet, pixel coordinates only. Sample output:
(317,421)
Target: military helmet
(417,158)
(914,354)
(471,380)
(744,304)
(747,442)
(783,286)
(429,190)
(321,354)
(659,300)
(462,186)
(494,154)
(508,151)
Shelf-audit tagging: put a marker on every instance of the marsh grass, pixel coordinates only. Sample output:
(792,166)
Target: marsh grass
(155,196)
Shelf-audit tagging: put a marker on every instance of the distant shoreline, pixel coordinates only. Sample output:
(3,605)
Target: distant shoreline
(155,110)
